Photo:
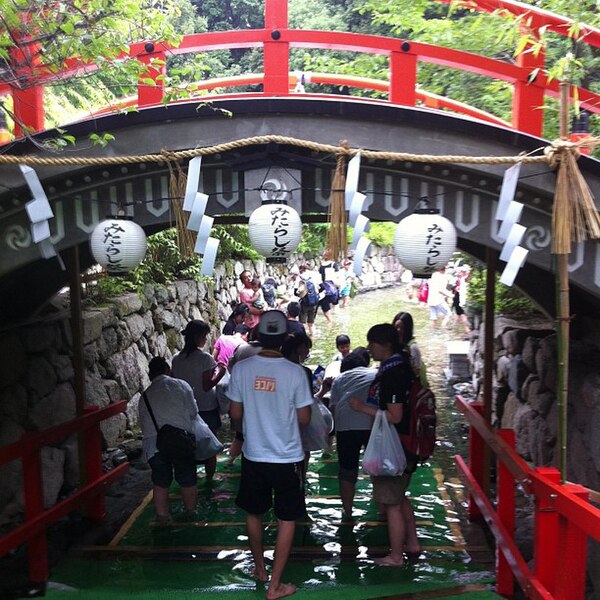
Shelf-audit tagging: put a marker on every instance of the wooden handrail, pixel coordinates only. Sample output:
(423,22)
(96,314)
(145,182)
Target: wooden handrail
(37,518)
(53,435)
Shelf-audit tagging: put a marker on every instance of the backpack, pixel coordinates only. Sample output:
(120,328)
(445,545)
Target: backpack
(331,291)
(269,288)
(311,298)
(420,440)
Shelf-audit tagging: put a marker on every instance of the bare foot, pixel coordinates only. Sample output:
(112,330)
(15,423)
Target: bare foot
(281,591)
(389,561)
(260,574)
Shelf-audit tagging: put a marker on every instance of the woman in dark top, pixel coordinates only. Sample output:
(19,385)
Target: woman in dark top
(389,392)
(235,318)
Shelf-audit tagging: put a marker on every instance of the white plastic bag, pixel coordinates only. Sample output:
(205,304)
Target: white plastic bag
(221,391)
(207,443)
(315,435)
(384,454)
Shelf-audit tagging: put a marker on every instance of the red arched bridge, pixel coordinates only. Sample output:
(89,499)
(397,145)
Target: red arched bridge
(402,118)
(293,132)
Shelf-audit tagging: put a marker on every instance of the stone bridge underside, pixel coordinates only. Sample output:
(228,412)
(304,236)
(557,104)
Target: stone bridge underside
(466,194)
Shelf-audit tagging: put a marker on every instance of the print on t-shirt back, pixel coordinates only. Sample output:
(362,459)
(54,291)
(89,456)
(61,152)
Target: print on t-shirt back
(265,384)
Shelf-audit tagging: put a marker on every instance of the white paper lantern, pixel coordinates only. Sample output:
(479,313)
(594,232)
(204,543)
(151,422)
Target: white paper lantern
(275,230)
(119,245)
(425,241)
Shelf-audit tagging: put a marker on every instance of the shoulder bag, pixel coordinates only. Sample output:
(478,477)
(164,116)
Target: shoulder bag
(173,442)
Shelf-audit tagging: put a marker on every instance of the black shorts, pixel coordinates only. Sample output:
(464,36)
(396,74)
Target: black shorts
(349,444)
(212,418)
(325,304)
(163,467)
(261,481)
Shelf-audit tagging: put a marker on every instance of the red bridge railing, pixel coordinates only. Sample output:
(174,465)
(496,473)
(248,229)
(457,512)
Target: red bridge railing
(90,495)
(530,84)
(564,520)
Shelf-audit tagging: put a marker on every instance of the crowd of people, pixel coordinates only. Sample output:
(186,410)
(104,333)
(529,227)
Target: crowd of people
(445,294)
(255,373)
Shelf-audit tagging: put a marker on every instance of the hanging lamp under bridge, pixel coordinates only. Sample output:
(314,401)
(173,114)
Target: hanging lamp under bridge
(425,241)
(118,245)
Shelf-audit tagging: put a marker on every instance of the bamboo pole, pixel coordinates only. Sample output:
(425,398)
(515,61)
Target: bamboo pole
(563,318)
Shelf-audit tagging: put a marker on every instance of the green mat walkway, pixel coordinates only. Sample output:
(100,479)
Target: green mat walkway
(330,558)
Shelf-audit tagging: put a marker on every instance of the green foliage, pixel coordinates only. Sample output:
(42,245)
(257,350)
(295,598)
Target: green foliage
(382,233)
(234,242)
(496,35)
(164,263)
(107,287)
(508,301)
(314,238)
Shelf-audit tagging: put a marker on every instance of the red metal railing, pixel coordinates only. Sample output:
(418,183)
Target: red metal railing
(564,519)
(530,85)
(28,449)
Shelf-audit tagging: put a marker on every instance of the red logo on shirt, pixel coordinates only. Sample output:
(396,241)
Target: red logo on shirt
(265,384)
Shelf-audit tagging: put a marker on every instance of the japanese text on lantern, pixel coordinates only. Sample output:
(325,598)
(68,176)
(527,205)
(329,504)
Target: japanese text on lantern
(113,246)
(433,241)
(280,222)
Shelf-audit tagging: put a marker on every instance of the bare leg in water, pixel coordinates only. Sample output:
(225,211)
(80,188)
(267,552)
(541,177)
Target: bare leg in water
(283,545)
(396,533)
(412,545)
(254,525)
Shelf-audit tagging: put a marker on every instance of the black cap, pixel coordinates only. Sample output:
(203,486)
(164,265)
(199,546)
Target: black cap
(196,327)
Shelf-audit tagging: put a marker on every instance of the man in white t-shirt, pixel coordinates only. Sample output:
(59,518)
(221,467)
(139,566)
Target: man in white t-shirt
(436,300)
(271,397)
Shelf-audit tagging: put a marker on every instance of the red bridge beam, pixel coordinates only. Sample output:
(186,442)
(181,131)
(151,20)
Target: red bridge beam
(276,39)
(536,17)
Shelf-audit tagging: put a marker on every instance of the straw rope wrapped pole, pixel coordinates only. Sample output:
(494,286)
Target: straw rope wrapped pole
(177,185)
(574,219)
(337,233)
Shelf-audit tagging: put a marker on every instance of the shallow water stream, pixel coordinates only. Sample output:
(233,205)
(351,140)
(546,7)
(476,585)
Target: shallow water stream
(380,306)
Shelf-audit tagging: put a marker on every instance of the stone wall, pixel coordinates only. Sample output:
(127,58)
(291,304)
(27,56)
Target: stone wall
(525,401)
(525,393)
(36,371)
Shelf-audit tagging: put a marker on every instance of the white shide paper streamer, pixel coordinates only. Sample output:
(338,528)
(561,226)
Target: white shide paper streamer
(210,255)
(193,179)
(203,234)
(356,207)
(40,231)
(351,180)
(512,241)
(361,226)
(507,192)
(515,262)
(197,211)
(363,248)
(513,214)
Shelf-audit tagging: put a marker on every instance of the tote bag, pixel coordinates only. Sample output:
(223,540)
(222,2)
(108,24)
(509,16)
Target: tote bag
(384,454)
(207,443)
